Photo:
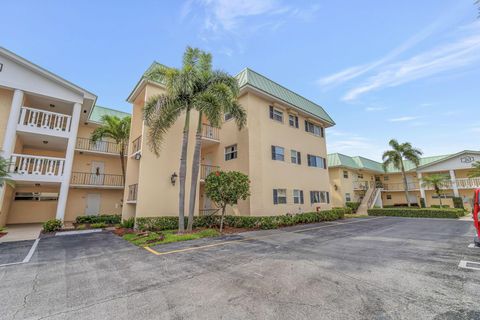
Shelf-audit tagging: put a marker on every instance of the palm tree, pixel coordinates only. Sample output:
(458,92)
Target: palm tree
(117,129)
(395,157)
(162,111)
(436,181)
(218,93)
(475,173)
(4,166)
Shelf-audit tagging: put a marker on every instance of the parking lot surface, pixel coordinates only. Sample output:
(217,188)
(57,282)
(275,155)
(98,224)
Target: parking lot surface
(373,268)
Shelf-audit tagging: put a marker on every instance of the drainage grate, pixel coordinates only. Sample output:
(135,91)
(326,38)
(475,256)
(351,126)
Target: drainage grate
(469,265)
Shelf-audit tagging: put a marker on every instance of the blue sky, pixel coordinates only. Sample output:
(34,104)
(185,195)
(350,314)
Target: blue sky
(382,69)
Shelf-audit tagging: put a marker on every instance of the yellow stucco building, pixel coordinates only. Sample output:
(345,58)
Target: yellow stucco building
(358,179)
(282,149)
(45,127)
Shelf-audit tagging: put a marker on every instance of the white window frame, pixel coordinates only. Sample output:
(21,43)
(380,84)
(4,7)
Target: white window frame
(320,162)
(359,175)
(233,152)
(294,118)
(319,197)
(295,157)
(298,196)
(348,197)
(277,156)
(280,199)
(345,174)
(276,114)
(314,129)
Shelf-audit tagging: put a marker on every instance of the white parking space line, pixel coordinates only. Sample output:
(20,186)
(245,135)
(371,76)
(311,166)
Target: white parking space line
(76,232)
(27,257)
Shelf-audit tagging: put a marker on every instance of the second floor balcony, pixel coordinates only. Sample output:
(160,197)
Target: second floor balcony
(105,147)
(24,167)
(44,122)
(210,134)
(87,179)
(136,147)
(205,170)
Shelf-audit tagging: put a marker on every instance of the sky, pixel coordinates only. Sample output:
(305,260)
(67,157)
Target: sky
(407,70)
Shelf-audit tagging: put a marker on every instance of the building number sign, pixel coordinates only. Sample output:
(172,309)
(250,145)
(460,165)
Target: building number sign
(467,159)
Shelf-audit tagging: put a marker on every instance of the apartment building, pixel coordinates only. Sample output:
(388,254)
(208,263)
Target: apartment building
(282,149)
(363,180)
(45,127)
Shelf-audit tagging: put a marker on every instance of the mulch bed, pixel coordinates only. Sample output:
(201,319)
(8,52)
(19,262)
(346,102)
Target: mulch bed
(3,234)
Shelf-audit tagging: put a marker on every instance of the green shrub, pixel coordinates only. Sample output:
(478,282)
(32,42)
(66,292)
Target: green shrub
(105,218)
(422,203)
(52,225)
(81,227)
(458,202)
(128,223)
(247,222)
(352,205)
(418,213)
(98,225)
(438,206)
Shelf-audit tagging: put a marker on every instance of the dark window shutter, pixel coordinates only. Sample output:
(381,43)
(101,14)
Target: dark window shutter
(275,196)
(301,196)
(273,153)
(296,122)
(299,158)
(328,197)
(311,196)
(271,112)
(306,125)
(324,163)
(321,130)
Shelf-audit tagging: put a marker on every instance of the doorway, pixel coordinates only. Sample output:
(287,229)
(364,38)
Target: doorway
(93,204)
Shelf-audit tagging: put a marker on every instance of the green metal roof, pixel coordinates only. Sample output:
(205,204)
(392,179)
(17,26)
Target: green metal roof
(262,83)
(341,160)
(98,112)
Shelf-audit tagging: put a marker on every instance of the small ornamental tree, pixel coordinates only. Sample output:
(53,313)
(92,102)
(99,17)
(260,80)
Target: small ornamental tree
(226,188)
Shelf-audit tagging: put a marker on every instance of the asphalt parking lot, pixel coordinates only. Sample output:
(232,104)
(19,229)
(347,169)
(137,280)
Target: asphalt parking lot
(375,268)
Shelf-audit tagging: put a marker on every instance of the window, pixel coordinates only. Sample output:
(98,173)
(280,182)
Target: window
(360,176)
(345,174)
(36,196)
(314,161)
(296,157)
(319,197)
(385,178)
(293,120)
(227,116)
(278,153)
(279,196)
(313,128)
(348,198)
(276,114)
(298,196)
(389,197)
(231,152)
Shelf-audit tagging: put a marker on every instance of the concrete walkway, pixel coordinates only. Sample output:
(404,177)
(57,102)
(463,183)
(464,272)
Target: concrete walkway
(20,232)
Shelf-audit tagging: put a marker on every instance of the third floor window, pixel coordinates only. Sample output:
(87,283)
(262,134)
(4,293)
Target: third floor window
(278,153)
(313,128)
(315,161)
(276,114)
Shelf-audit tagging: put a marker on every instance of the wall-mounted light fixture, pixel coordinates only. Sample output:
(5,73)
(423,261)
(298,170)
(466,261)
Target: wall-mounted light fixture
(173,178)
(336,187)
(45,141)
(138,156)
(52,105)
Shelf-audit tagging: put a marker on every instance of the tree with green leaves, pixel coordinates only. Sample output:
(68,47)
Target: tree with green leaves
(117,129)
(193,87)
(475,173)
(4,169)
(436,181)
(396,156)
(226,188)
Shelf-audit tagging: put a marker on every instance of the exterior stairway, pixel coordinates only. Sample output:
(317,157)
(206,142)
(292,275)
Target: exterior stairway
(368,200)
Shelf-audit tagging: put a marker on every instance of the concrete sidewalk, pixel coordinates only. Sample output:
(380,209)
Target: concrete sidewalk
(21,232)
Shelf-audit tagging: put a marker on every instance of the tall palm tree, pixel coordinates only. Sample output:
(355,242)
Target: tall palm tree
(436,181)
(475,173)
(117,129)
(395,157)
(218,92)
(162,111)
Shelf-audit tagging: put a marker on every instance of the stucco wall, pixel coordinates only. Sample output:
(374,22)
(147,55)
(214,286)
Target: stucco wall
(6,97)
(110,202)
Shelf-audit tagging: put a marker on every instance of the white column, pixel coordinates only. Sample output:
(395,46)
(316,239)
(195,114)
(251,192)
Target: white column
(453,180)
(67,168)
(9,139)
(422,190)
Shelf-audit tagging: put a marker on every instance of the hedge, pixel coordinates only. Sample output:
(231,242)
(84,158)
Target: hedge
(352,205)
(247,222)
(105,218)
(418,213)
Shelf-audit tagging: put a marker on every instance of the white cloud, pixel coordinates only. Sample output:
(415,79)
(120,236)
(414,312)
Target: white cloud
(475,129)
(375,109)
(448,57)
(402,119)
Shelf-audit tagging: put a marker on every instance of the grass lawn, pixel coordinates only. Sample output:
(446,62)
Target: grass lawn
(354,215)
(154,238)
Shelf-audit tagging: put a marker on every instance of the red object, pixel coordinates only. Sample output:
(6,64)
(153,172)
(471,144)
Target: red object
(476,209)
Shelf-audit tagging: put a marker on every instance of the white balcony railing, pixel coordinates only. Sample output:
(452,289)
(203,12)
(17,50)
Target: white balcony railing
(27,165)
(468,183)
(45,120)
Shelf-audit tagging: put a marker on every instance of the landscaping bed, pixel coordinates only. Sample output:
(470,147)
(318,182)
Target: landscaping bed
(146,238)
(418,212)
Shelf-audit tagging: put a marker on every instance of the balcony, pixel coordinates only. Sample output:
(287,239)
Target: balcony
(132,193)
(362,185)
(44,122)
(136,147)
(468,183)
(400,186)
(36,168)
(93,180)
(210,135)
(105,147)
(206,169)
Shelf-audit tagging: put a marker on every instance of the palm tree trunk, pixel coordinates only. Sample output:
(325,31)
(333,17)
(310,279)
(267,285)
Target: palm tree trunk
(122,161)
(405,182)
(195,171)
(182,174)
